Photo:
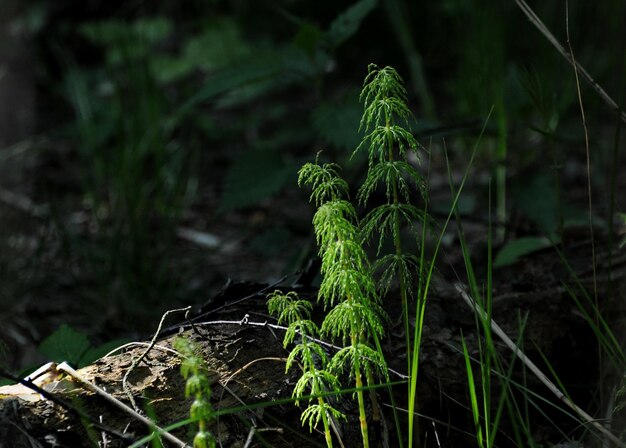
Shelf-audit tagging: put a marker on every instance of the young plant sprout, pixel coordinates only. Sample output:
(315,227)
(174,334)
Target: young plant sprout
(193,369)
(316,379)
(347,286)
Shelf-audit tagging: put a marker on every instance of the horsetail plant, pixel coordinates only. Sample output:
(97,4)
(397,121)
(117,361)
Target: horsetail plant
(389,143)
(315,377)
(347,285)
(193,369)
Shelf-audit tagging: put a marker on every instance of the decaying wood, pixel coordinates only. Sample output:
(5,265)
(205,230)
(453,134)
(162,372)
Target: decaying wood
(247,361)
(245,371)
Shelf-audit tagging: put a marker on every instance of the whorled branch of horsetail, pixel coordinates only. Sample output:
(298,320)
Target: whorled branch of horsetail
(347,285)
(313,360)
(388,145)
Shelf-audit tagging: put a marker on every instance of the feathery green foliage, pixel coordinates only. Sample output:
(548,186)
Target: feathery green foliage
(389,143)
(288,307)
(193,369)
(325,182)
(316,378)
(357,315)
(347,285)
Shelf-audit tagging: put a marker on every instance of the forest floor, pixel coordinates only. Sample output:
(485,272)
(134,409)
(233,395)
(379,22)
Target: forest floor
(45,284)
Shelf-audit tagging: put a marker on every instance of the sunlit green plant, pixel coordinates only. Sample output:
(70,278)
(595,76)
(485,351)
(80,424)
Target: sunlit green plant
(316,378)
(389,143)
(193,369)
(347,286)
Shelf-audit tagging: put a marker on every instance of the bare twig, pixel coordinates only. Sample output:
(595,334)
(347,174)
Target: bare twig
(254,429)
(534,369)
(142,344)
(590,202)
(248,297)
(569,57)
(280,327)
(136,361)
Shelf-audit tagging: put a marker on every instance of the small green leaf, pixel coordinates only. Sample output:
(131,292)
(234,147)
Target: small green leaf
(307,38)
(65,344)
(265,66)
(167,69)
(514,250)
(257,175)
(154,29)
(218,46)
(347,23)
(537,199)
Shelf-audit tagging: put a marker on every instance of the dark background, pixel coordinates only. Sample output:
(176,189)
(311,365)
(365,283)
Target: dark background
(124,125)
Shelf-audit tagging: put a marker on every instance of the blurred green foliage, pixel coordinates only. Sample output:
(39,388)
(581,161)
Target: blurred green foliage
(135,173)
(158,94)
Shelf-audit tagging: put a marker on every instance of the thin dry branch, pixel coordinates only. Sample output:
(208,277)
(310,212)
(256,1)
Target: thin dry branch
(136,362)
(588,157)
(65,368)
(535,20)
(534,369)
